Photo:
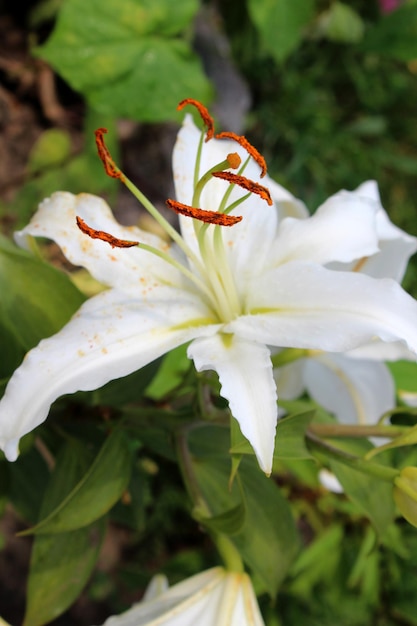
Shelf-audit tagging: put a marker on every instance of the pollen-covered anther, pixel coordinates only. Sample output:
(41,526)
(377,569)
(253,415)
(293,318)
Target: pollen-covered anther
(204,114)
(234,160)
(104,154)
(103,236)
(246,183)
(209,217)
(250,149)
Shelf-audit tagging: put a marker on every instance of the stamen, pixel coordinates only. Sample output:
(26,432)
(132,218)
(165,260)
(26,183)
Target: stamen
(100,234)
(204,114)
(257,156)
(246,183)
(104,154)
(210,217)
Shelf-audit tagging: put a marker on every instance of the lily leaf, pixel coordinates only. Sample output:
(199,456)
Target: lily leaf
(131,62)
(93,492)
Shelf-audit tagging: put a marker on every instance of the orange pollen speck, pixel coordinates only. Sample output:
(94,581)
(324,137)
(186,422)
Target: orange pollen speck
(234,160)
(104,154)
(210,217)
(204,114)
(100,234)
(250,149)
(246,183)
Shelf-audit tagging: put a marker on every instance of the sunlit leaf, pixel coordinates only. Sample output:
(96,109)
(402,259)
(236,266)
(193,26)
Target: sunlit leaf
(131,62)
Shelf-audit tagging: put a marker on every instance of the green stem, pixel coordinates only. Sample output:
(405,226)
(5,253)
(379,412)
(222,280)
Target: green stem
(366,467)
(227,550)
(356,430)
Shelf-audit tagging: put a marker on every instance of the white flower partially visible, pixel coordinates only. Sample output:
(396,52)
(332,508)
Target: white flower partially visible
(213,598)
(357,387)
(232,292)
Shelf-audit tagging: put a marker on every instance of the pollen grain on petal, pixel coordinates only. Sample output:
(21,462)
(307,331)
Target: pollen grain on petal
(103,152)
(209,217)
(246,183)
(103,236)
(250,149)
(204,114)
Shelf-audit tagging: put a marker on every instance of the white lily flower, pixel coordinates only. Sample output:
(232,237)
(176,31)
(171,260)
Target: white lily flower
(357,387)
(232,292)
(213,598)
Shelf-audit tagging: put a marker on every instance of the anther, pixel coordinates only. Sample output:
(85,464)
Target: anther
(246,183)
(204,114)
(103,236)
(104,154)
(209,217)
(250,149)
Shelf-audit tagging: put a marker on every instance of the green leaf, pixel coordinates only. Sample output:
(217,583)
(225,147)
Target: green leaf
(373,497)
(60,567)
(318,561)
(289,439)
(405,376)
(125,60)
(124,390)
(97,489)
(228,523)
(36,301)
(29,477)
(174,367)
(341,23)
(280,23)
(395,35)
(268,540)
(52,148)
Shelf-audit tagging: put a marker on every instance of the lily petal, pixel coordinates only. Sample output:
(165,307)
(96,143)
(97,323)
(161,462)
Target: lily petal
(342,229)
(109,337)
(303,305)
(395,245)
(55,219)
(245,373)
(354,390)
(212,598)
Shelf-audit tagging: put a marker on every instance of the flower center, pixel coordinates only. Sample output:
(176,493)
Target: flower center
(209,268)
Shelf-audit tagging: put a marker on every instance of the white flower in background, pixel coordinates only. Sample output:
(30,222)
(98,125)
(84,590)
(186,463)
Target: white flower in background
(213,598)
(357,387)
(231,291)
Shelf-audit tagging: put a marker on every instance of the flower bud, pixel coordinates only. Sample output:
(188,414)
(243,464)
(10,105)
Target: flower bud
(405,494)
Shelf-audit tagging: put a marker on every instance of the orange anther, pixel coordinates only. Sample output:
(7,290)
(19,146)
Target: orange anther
(210,217)
(246,183)
(104,154)
(204,114)
(250,149)
(100,234)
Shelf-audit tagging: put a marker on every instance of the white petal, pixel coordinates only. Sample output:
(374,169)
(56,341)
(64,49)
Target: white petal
(355,391)
(329,481)
(116,267)
(302,305)
(342,229)
(109,337)
(247,242)
(212,598)
(290,380)
(395,245)
(245,373)
(287,204)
